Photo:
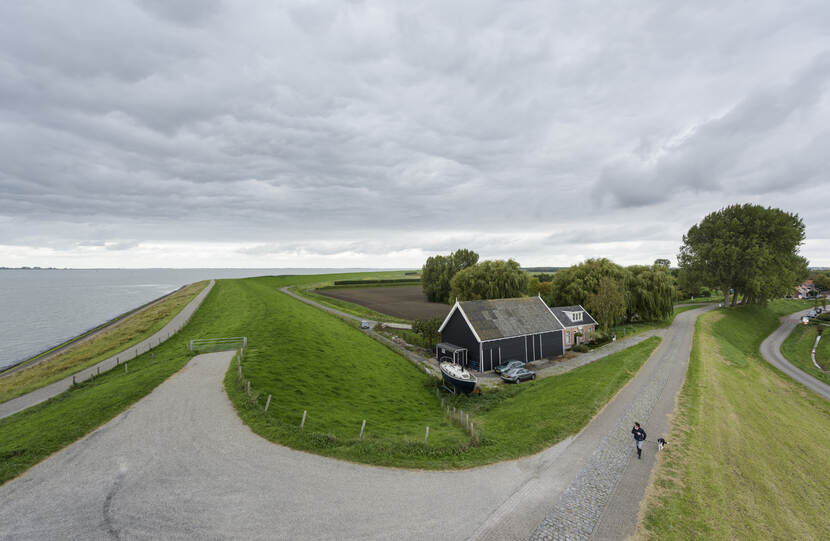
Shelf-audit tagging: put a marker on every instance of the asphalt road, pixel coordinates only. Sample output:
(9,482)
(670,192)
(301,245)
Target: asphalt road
(771,351)
(180,464)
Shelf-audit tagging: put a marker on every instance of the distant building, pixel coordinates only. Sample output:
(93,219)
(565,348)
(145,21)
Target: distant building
(806,289)
(579,326)
(483,334)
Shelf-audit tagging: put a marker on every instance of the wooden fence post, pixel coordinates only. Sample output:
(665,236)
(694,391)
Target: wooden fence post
(268,402)
(249,386)
(99,370)
(73,380)
(125,367)
(302,423)
(426,436)
(362,427)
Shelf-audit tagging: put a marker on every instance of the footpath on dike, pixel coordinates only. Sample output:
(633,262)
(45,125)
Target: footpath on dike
(771,351)
(37,396)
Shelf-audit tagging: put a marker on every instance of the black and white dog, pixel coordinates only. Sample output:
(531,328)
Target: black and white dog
(661,443)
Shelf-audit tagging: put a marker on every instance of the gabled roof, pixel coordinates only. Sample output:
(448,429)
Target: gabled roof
(504,318)
(561,313)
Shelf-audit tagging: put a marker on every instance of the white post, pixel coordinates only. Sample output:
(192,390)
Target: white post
(362,427)
(249,386)
(426,436)
(268,402)
(302,423)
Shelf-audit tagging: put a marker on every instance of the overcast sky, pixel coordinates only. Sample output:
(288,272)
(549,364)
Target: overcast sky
(201,133)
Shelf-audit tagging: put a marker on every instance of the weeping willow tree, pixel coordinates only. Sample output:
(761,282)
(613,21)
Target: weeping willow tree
(649,292)
(613,294)
(496,279)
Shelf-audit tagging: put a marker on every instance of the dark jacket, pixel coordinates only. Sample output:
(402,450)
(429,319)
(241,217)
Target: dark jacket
(639,433)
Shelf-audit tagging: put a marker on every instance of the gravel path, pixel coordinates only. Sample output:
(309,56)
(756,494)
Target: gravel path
(180,464)
(771,351)
(45,393)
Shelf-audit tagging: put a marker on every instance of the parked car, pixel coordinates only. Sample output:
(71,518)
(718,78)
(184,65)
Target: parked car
(508,365)
(819,310)
(518,374)
(811,313)
(365,324)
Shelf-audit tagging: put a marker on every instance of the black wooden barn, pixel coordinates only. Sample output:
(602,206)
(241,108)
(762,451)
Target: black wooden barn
(493,331)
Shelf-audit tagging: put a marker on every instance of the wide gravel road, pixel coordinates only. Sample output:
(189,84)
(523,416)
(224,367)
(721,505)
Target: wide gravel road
(180,464)
(771,351)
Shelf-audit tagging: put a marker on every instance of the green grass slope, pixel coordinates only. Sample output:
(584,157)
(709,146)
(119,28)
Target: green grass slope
(796,348)
(311,361)
(748,454)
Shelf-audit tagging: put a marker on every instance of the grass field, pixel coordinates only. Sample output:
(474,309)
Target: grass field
(748,454)
(102,345)
(796,348)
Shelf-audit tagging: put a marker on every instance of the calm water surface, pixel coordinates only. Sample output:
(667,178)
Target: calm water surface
(42,308)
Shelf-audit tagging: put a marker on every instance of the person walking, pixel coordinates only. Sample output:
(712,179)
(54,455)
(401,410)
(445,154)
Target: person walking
(639,438)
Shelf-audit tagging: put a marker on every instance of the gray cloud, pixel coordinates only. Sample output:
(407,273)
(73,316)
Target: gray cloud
(323,128)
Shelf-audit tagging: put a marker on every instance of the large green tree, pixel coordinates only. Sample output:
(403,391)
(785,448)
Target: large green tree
(439,270)
(596,284)
(496,279)
(747,249)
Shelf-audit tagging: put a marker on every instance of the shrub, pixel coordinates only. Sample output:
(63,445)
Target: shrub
(580,348)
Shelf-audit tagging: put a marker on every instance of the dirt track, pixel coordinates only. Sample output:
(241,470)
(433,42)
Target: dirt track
(407,302)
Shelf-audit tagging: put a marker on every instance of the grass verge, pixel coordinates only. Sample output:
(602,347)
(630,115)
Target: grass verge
(747,458)
(798,345)
(121,336)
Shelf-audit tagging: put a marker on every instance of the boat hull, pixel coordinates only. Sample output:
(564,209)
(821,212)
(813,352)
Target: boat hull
(465,386)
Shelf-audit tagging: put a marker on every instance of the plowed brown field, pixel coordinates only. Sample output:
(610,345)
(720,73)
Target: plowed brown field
(407,302)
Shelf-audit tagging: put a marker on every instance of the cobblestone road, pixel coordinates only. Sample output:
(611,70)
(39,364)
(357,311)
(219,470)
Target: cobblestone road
(581,506)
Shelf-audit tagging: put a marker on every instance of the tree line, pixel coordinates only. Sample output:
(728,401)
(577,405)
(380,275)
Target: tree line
(609,292)
(747,252)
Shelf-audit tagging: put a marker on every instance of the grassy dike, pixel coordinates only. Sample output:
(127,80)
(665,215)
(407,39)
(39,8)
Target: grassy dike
(106,343)
(798,345)
(748,454)
(310,360)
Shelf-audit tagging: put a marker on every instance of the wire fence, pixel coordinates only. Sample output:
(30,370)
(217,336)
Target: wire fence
(264,402)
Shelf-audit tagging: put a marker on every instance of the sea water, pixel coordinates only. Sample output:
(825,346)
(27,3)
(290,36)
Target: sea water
(40,308)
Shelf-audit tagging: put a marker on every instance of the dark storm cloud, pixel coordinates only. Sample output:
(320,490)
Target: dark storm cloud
(370,128)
